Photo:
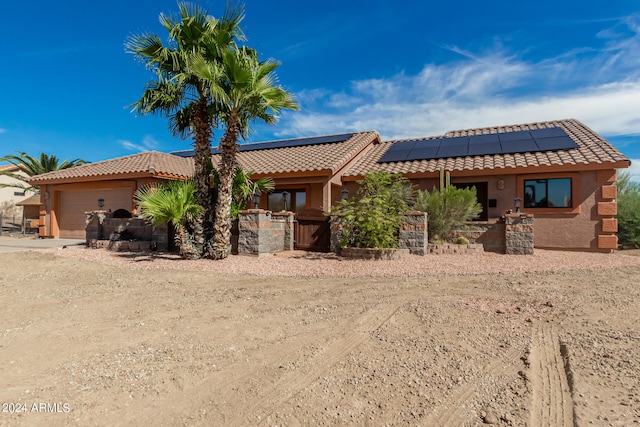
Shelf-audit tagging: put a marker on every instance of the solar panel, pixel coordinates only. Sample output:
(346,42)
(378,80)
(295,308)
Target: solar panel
(514,136)
(547,133)
(519,146)
(556,143)
(424,149)
(398,152)
(480,145)
(454,147)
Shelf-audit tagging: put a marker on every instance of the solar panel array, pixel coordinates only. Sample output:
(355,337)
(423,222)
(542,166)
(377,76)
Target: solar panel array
(298,142)
(479,145)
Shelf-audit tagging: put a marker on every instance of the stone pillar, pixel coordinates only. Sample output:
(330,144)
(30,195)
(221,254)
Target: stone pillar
(335,242)
(260,234)
(518,234)
(413,233)
(288,218)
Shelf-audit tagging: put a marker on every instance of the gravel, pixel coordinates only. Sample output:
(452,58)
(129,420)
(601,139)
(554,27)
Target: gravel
(313,264)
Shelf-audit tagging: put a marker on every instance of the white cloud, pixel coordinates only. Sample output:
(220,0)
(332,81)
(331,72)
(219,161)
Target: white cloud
(634,170)
(148,143)
(599,87)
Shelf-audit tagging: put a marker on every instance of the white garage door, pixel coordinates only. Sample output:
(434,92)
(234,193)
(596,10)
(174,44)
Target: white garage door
(73,204)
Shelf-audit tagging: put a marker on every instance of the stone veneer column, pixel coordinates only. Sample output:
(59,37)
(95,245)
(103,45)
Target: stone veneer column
(260,234)
(607,209)
(413,233)
(519,234)
(288,218)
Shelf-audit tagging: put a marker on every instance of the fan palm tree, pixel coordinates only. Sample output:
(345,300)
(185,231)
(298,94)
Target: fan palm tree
(248,91)
(244,188)
(172,202)
(182,95)
(32,166)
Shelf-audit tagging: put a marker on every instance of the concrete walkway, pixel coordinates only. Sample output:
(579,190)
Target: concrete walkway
(26,243)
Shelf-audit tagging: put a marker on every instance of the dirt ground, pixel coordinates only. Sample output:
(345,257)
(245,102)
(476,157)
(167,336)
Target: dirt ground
(91,344)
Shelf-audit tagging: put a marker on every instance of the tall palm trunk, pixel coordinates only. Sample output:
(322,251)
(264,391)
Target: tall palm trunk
(203,231)
(221,243)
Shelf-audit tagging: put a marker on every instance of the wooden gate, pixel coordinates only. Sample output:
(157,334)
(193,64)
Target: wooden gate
(312,231)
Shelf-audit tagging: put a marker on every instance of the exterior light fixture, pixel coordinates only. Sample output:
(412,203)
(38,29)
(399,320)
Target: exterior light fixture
(345,194)
(100,203)
(517,204)
(256,200)
(285,199)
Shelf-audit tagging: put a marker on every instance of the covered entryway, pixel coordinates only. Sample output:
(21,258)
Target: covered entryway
(72,205)
(312,231)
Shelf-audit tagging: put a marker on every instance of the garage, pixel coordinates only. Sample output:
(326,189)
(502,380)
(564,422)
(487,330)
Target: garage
(72,206)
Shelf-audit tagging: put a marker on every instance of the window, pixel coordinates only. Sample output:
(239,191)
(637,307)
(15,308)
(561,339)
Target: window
(296,201)
(18,193)
(547,193)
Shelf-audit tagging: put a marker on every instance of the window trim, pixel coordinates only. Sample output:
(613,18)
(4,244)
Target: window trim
(575,193)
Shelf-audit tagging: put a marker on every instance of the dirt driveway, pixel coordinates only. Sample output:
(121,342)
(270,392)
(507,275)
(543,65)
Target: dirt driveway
(86,343)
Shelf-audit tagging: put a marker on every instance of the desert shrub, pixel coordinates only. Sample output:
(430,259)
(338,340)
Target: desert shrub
(628,210)
(448,208)
(372,219)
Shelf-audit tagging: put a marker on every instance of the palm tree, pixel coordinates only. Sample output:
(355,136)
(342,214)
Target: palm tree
(172,202)
(247,92)
(33,166)
(182,95)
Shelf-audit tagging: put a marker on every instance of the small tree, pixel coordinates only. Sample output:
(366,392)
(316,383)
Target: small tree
(173,202)
(372,219)
(448,208)
(628,210)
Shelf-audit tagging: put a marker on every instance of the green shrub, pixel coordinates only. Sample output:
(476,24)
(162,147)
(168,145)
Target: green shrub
(372,219)
(448,208)
(628,210)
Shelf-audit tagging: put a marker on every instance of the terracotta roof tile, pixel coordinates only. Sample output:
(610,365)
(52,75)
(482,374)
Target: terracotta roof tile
(152,164)
(326,157)
(591,149)
(330,156)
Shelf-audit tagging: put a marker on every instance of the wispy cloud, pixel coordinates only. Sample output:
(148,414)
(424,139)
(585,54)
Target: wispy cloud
(3,130)
(598,86)
(147,143)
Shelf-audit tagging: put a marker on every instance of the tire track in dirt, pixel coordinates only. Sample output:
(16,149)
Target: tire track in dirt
(271,393)
(451,412)
(552,404)
(278,393)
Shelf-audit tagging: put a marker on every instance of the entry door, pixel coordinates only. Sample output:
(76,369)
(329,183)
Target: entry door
(482,196)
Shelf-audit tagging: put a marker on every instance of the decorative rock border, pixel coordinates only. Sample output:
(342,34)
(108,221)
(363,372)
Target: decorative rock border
(454,248)
(373,253)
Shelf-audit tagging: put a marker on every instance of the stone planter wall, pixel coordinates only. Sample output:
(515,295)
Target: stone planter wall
(454,248)
(490,234)
(373,253)
(103,231)
(413,233)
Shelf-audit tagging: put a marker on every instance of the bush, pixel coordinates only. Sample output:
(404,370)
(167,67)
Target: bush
(372,219)
(628,210)
(448,208)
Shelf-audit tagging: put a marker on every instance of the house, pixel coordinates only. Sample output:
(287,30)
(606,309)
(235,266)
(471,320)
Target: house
(560,171)
(309,169)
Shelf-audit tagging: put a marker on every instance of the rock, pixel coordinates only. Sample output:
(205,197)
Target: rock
(490,418)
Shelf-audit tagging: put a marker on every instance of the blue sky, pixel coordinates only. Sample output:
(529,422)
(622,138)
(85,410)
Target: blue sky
(403,68)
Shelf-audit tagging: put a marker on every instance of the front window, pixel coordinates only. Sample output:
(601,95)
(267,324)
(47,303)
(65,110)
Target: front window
(296,200)
(547,193)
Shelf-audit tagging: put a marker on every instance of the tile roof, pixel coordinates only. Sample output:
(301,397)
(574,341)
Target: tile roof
(591,149)
(151,164)
(326,157)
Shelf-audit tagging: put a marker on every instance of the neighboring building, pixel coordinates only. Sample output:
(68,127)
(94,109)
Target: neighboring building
(562,172)
(10,196)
